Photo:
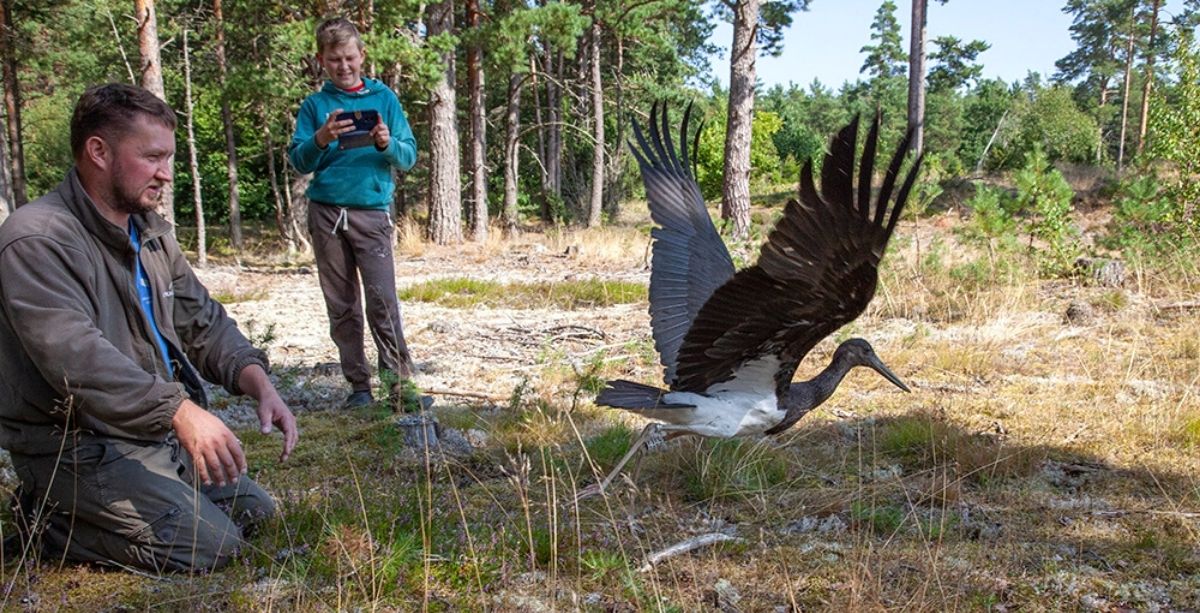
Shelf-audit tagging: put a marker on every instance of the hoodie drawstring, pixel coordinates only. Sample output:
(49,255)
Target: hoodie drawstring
(342,220)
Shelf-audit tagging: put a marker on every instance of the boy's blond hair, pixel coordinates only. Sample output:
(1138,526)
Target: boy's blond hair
(336,32)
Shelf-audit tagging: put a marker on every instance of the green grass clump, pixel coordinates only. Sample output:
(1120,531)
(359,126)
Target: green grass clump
(459,292)
(610,445)
(1187,434)
(235,296)
(881,518)
(924,442)
(732,469)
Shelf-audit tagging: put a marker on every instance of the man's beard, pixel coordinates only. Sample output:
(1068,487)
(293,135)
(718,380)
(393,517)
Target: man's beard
(130,202)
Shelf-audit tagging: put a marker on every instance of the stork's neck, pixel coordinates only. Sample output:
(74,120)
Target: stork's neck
(808,395)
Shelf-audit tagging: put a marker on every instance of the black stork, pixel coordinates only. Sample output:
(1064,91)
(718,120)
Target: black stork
(730,341)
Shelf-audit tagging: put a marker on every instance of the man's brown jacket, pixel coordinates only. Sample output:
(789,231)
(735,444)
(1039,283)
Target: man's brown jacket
(76,350)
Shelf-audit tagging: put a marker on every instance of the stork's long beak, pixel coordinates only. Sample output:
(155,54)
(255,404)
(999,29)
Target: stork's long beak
(879,367)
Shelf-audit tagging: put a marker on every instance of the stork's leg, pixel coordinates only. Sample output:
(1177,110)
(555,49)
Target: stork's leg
(637,445)
(667,436)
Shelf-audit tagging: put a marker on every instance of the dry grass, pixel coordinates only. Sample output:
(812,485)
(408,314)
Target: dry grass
(1038,465)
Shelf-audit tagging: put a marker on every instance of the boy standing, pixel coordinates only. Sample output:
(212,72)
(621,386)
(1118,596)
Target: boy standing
(350,195)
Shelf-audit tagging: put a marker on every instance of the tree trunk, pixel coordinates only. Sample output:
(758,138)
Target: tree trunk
(152,79)
(235,209)
(512,122)
(479,216)
(6,196)
(273,178)
(295,203)
(612,198)
(445,189)
(1149,84)
(193,159)
(12,103)
(534,72)
(555,146)
(916,75)
(298,207)
(735,197)
(1100,128)
(1125,92)
(597,202)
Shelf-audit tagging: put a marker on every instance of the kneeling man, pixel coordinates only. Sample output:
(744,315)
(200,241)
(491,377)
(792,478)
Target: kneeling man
(105,332)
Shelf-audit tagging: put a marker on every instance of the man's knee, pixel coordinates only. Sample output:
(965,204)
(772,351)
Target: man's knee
(252,507)
(197,542)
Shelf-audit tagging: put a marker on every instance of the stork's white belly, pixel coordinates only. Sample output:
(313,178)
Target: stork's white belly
(724,414)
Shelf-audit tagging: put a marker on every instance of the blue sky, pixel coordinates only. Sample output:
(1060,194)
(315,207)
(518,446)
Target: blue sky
(824,42)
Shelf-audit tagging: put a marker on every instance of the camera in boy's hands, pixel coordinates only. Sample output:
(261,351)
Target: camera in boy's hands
(360,135)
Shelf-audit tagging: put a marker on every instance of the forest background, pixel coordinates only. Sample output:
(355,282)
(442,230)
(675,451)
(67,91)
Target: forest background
(522,110)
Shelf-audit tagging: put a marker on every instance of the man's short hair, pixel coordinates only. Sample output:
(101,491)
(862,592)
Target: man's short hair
(110,110)
(336,32)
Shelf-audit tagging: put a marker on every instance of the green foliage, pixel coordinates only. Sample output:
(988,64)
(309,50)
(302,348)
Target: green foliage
(1174,129)
(732,469)
(261,338)
(1041,204)
(1050,119)
(1187,434)
(764,157)
(600,564)
(883,519)
(987,107)
(1142,214)
(462,292)
(1045,196)
(886,58)
(607,447)
(991,216)
(765,163)
(954,63)
(929,185)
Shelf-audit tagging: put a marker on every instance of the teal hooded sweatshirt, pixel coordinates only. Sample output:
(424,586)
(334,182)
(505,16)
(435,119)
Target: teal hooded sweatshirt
(358,178)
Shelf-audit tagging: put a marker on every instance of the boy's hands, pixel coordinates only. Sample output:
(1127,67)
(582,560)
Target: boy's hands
(382,135)
(332,129)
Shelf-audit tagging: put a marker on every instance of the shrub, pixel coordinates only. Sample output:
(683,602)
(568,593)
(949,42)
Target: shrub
(1045,196)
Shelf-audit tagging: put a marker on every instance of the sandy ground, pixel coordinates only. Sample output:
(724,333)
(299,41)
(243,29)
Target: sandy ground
(480,350)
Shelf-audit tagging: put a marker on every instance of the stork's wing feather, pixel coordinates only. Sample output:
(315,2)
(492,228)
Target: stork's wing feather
(817,271)
(689,259)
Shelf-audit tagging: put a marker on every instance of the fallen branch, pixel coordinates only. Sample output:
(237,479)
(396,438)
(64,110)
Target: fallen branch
(681,547)
(575,331)
(1180,306)
(1181,514)
(480,395)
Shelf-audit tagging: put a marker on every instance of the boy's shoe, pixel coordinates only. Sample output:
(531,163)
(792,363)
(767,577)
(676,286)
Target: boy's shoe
(358,400)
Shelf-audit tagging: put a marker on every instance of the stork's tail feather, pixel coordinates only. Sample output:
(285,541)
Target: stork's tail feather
(623,394)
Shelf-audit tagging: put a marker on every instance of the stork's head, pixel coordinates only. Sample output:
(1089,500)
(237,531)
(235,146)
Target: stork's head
(858,352)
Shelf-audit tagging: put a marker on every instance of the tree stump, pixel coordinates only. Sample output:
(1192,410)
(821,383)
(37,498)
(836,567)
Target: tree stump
(420,431)
(1106,272)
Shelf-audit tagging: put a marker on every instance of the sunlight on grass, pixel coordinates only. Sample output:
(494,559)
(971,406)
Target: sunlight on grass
(234,295)
(461,292)
(732,469)
(606,447)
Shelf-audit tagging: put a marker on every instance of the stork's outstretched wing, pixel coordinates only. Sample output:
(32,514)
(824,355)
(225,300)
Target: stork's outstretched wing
(690,260)
(816,272)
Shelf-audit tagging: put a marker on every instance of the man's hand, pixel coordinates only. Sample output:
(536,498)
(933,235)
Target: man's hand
(332,129)
(254,382)
(215,451)
(272,410)
(382,135)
